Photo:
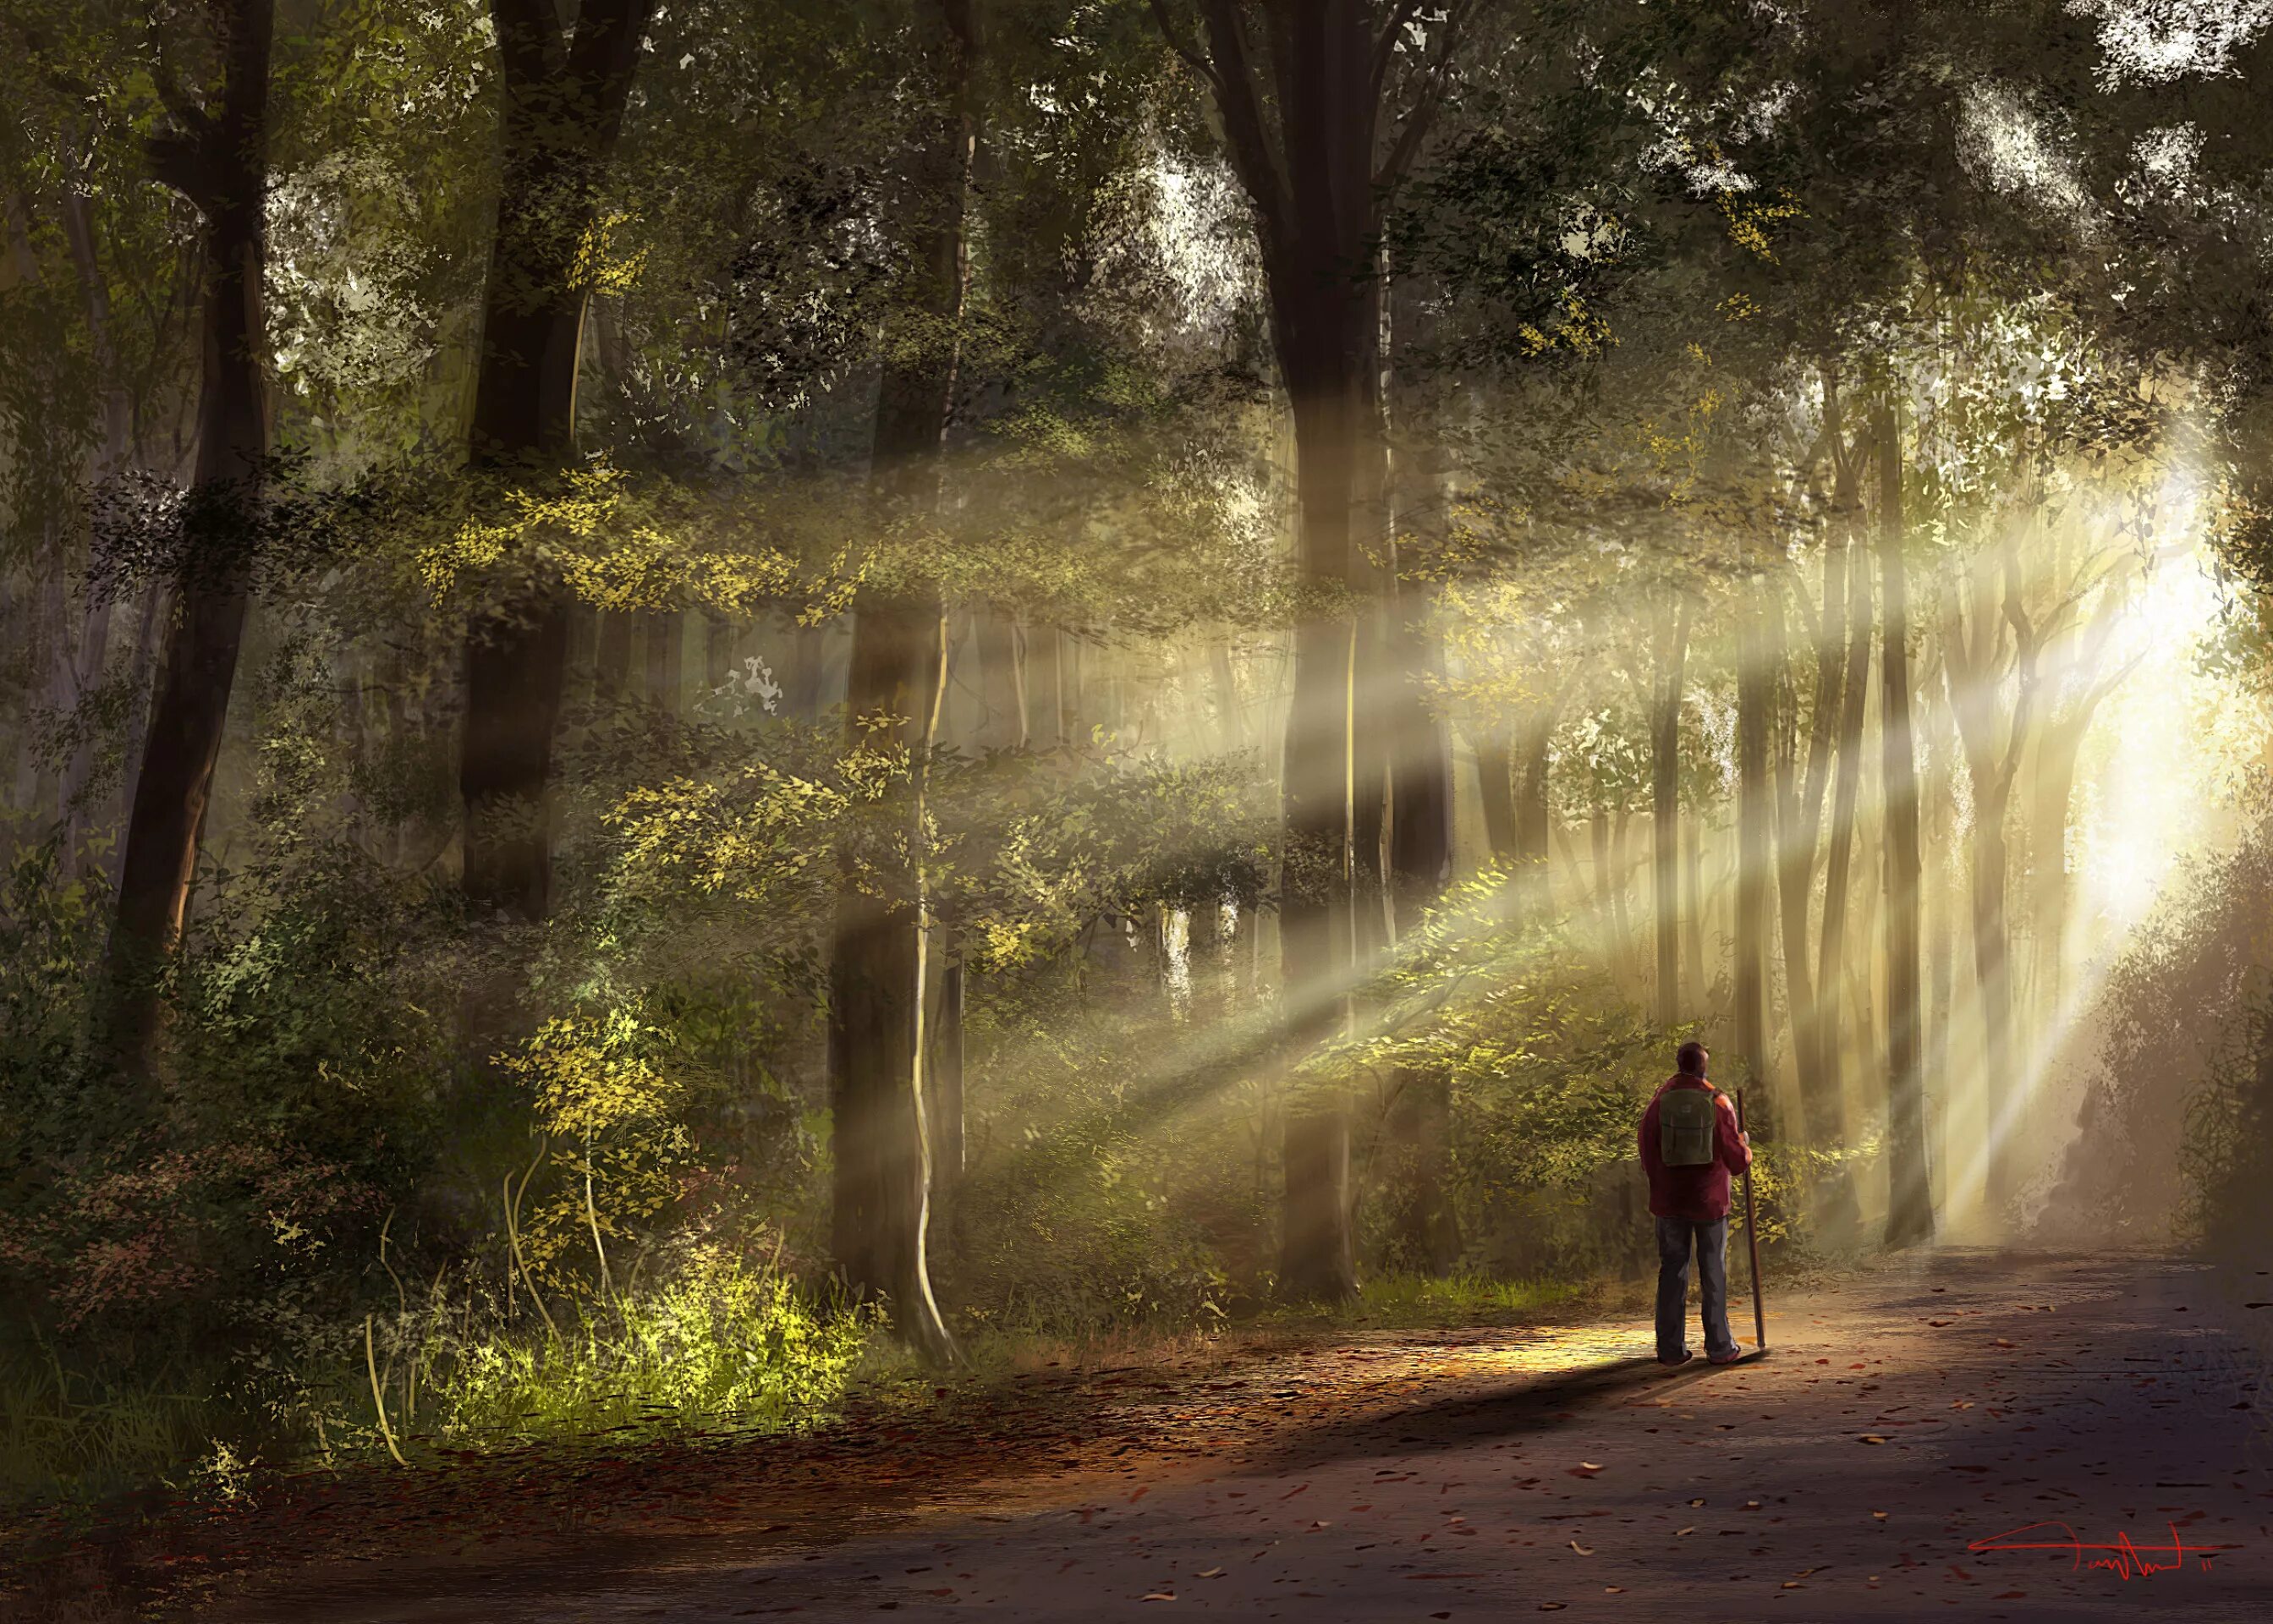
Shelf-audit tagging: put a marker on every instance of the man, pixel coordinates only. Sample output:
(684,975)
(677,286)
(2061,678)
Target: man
(1690,1145)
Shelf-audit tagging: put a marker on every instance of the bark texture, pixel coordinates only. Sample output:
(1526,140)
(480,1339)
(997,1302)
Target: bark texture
(1909,1200)
(564,92)
(219,161)
(878,1045)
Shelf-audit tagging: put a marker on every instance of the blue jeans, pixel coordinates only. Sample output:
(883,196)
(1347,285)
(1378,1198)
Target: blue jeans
(1674,1237)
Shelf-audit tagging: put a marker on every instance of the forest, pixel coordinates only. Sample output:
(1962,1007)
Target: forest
(709,702)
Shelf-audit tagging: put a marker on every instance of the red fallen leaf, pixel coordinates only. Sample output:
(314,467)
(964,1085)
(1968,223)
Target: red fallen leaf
(1858,1366)
(2009,1596)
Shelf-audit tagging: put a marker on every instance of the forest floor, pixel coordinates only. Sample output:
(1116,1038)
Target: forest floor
(1908,1415)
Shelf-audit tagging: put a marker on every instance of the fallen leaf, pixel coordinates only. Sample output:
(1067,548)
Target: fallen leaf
(1880,1514)
(1544,1606)
(1751,1505)
(1696,1502)
(1582,1550)
(2005,1342)
(1590,1465)
(1679,1532)
(2009,1596)
(1873,1437)
(1211,1573)
(1158,1595)
(1614,1590)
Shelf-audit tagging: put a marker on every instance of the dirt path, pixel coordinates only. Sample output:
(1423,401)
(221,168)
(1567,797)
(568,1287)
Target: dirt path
(1904,1418)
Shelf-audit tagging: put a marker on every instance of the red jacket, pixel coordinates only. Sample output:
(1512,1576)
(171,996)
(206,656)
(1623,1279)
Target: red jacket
(1700,1194)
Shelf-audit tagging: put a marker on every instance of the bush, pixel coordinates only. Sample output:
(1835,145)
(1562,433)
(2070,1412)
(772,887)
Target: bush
(716,1343)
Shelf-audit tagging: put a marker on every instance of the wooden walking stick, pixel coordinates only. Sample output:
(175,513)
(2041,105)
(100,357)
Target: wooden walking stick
(1752,1242)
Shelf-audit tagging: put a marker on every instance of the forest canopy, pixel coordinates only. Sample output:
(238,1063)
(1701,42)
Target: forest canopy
(698,694)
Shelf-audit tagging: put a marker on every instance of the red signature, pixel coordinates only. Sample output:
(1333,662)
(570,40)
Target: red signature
(2122,1557)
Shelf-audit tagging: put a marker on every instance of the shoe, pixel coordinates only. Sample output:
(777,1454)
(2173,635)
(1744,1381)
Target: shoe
(1730,1358)
(1686,1357)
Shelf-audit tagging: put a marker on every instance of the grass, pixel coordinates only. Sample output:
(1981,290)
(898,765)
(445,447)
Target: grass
(718,1346)
(63,1437)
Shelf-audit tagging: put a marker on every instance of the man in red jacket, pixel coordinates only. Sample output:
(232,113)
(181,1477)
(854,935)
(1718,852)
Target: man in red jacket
(1690,1145)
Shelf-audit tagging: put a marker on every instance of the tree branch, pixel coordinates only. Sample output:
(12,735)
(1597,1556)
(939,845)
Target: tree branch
(1423,116)
(1385,48)
(1191,55)
(1244,132)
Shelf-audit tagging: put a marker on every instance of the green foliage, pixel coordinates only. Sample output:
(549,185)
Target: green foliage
(713,1342)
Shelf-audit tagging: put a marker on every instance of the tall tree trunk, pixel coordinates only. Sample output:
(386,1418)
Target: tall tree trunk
(1495,789)
(614,658)
(1665,807)
(565,95)
(86,673)
(1910,1201)
(222,168)
(1971,674)
(1533,814)
(1001,682)
(1421,793)
(1693,888)
(1802,831)
(1833,1036)
(1049,705)
(1755,692)
(666,659)
(877,1044)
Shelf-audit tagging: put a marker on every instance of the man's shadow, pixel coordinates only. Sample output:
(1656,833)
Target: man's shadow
(1525,1406)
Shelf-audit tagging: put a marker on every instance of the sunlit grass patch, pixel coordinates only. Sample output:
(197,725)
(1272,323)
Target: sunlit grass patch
(720,1346)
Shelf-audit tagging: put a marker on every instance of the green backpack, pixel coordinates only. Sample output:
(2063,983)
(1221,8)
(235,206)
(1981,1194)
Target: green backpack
(1688,1130)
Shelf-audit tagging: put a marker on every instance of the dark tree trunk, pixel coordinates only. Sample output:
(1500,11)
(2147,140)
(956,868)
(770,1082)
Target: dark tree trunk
(1496,787)
(614,659)
(877,1046)
(1754,696)
(1910,1201)
(565,95)
(222,169)
(1305,153)
(1665,808)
